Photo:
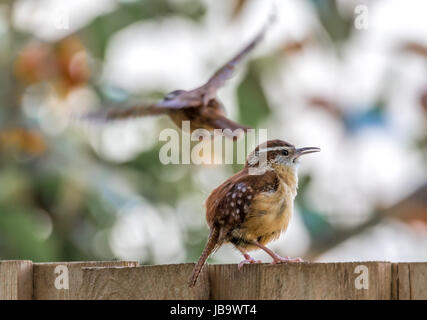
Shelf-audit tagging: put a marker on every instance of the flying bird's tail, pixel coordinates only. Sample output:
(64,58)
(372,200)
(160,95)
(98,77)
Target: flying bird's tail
(210,246)
(231,129)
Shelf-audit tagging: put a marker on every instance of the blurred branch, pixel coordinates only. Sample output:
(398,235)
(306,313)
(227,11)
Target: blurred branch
(412,208)
(415,48)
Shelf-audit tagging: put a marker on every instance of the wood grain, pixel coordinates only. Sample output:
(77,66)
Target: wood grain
(410,281)
(300,281)
(126,280)
(45,275)
(16,280)
(165,282)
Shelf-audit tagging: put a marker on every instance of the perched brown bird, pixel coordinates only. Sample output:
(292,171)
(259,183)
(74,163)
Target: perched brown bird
(200,106)
(250,210)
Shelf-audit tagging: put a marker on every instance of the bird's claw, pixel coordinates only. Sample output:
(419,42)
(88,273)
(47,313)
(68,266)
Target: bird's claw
(249,260)
(286,259)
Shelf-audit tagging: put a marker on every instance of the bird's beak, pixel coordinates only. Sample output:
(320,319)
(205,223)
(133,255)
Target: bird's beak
(299,152)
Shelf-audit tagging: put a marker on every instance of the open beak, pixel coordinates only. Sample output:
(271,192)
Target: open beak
(299,152)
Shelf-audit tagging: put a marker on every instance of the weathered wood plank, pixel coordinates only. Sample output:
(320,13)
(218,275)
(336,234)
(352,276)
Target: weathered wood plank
(410,281)
(125,280)
(62,280)
(144,282)
(16,280)
(358,280)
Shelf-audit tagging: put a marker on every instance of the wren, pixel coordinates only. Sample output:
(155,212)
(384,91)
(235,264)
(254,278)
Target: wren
(249,210)
(199,106)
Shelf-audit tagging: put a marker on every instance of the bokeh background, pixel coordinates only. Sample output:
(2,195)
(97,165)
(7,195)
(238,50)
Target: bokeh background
(78,191)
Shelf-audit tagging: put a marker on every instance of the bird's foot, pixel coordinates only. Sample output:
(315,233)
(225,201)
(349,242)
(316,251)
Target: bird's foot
(248,260)
(279,259)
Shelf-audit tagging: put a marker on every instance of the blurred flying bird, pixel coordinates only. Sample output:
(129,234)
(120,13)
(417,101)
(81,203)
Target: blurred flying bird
(200,106)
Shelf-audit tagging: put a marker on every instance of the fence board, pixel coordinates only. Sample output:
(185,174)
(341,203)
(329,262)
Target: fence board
(50,278)
(301,281)
(410,281)
(144,282)
(16,280)
(126,280)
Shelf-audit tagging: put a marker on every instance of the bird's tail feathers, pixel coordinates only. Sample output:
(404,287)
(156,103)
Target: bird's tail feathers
(211,245)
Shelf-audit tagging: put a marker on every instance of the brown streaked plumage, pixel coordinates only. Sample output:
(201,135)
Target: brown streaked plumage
(250,210)
(200,106)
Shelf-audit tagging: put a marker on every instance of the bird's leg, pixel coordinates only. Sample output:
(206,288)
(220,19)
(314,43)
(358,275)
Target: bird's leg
(275,256)
(248,259)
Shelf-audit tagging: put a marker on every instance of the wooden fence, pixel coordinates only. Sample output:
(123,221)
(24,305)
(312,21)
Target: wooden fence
(23,279)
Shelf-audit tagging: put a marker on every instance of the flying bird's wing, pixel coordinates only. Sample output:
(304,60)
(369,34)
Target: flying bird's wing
(113,114)
(226,71)
(185,99)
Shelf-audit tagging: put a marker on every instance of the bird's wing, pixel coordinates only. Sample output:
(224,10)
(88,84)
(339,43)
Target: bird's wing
(230,203)
(113,114)
(226,71)
(186,99)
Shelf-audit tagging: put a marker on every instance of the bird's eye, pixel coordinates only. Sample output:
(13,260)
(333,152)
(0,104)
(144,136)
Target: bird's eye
(170,96)
(173,94)
(285,152)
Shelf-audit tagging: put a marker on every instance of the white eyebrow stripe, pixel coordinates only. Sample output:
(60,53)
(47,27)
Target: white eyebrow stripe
(272,149)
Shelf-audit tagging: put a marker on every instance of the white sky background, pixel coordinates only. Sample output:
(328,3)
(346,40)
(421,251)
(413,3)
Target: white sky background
(350,175)
(51,20)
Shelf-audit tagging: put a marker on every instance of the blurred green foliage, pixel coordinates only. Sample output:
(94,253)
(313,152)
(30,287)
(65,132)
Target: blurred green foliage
(59,199)
(46,212)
